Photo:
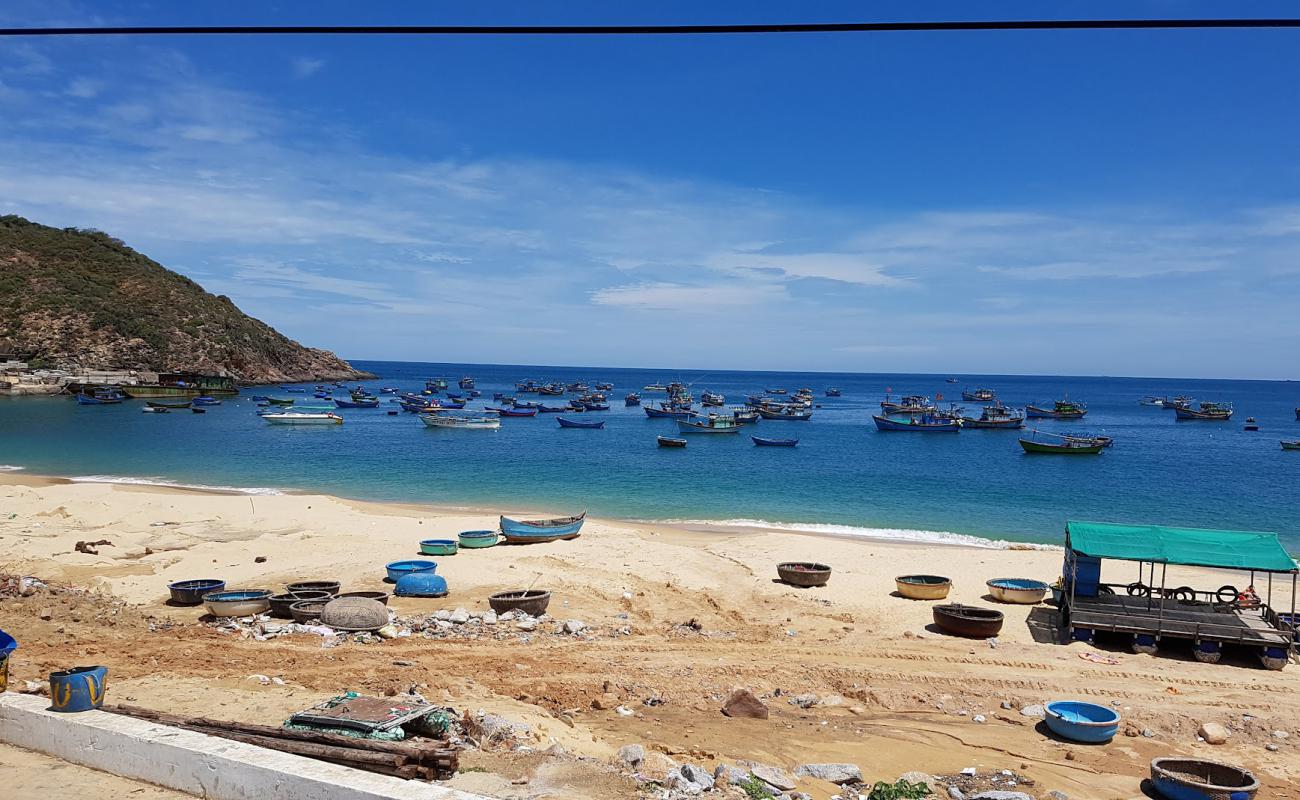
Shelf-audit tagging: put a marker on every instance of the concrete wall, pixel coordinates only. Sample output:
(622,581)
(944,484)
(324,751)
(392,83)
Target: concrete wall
(192,762)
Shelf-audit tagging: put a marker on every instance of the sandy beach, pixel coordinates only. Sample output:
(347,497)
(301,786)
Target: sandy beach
(675,616)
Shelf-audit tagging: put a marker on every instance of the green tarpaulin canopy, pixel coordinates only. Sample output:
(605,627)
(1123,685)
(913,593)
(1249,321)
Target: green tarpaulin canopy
(1191,546)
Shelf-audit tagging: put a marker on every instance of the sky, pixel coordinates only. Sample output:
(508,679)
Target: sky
(1083,202)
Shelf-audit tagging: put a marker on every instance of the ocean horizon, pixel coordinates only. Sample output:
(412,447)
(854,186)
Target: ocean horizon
(845,478)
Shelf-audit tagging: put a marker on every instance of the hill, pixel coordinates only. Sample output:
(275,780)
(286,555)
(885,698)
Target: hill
(81,298)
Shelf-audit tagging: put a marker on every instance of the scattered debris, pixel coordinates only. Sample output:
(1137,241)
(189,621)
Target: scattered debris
(89,547)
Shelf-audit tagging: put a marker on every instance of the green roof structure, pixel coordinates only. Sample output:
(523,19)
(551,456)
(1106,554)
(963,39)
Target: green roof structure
(1195,547)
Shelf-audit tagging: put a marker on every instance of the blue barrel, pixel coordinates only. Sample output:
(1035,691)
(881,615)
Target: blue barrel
(78,689)
(7,646)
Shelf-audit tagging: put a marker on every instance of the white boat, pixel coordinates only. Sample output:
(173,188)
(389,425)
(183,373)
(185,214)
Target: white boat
(655,387)
(299,418)
(467,423)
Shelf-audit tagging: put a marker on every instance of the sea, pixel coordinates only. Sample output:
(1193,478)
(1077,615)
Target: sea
(844,478)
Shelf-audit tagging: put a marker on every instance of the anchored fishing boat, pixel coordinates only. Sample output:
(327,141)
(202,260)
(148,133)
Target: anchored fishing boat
(761,442)
(103,395)
(358,402)
(299,418)
(712,399)
(911,404)
(669,441)
(996,416)
(784,413)
(541,530)
(979,395)
(655,387)
(922,423)
(515,412)
(632,399)
(1064,445)
(833,392)
(1151,400)
(1172,403)
(1061,409)
(462,423)
(667,411)
(576,423)
(158,404)
(745,416)
(1215,412)
(711,424)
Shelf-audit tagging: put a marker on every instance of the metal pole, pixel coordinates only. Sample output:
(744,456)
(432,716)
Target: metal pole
(1164,570)
(1291,644)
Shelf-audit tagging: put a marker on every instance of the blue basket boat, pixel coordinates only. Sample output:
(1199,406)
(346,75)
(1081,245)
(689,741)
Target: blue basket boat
(190,593)
(78,689)
(1082,722)
(1197,779)
(1025,591)
(477,539)
(396,569)
(7,646)
(423,583)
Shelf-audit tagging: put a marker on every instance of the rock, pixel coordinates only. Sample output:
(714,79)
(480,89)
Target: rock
(998,794)
(574,626)
(1057,795)
(259,560)
(832,700)
(459,617)
(624,711)
(528,624)
(1036,710)
(923,778)
(1008,705)
(1280,735)
(34,687)
(696,777)
(47,613)
(509,615)
(388,632)
(777,778)
(656,766)
(835,773)
(489,618)
(1272,748)
(807,700)
(1213,733)
(442,614)
(632,755)
(955,793)
(1148,733)
(800,796)
(742,703)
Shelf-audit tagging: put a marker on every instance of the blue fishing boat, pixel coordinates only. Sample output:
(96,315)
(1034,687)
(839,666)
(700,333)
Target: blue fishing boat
(711,424)
(206,401)
(448,404)
(466,382)
(317,395)
(574,423)
(104,395)
(596,406)
(541,530)
(294,389)
(667,412)
(833,392)
(515,412)
(357,403)
(761,442)
(553,409)
(917,423)
(784,413)
(632,399)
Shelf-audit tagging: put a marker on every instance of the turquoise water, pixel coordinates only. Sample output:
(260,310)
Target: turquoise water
(843,477)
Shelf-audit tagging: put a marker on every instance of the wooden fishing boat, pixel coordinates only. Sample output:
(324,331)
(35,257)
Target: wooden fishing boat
(923,587)
(1209,411)
(786,414)
(574,423)
(159,404)
(1151,400)
(604,386)
(710,424)
(100,396)
(803,573)
(979,395)
(296,389)
(595,406)
(970,621)
(466,382)
(654,387)
(1061,409)
(299,418)
(833,392)
(712,399)
(745,416)
(775,391)
(515,412)
(1251,424)
(155,410)
(632,399)
(912,404)
(1176,402)
(184,384)
(668,441)
(761,442)
(667,412)
(995,417)
(553,409)
(541,530)
(1104,441)
(1197,779)
(461,423)
(1064,446)
(1290,445)
(355,403)
(926,423)
(198,410)
(206,401)
(278,401)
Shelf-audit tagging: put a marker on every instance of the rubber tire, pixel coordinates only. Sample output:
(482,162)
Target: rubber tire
(1138,589)
(1230,590)
(1105,590)
(1185,594)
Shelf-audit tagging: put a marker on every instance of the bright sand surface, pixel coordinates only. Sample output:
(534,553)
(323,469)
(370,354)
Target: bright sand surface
(910,695)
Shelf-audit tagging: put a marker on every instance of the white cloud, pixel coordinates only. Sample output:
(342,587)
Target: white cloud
(306,67)
(686,298)
(84,88)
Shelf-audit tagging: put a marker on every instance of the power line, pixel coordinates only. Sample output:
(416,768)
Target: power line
(654,30)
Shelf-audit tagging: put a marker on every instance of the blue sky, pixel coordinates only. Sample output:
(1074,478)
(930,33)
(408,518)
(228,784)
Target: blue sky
(1122,203)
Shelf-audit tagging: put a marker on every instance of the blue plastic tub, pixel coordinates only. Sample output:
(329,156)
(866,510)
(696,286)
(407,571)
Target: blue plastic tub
(190,593)
(421,584)
(78,689)
(1082,722)
(7,645)
(397,569)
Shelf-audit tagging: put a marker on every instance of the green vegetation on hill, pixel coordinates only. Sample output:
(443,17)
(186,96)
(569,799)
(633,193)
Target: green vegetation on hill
(81,297)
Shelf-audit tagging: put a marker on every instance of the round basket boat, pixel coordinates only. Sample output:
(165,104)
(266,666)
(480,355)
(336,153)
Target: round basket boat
(476,539)
(381,597)
(307,611)
(354,614)
(923,587)
(1194,779)
(237,602)
(328,587)
(532,602)
(1082,722)
(1023,591)
(972,621)
(280,603)
(804,573)
(421,584)
(439,547)
(396,569)
(190,593)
